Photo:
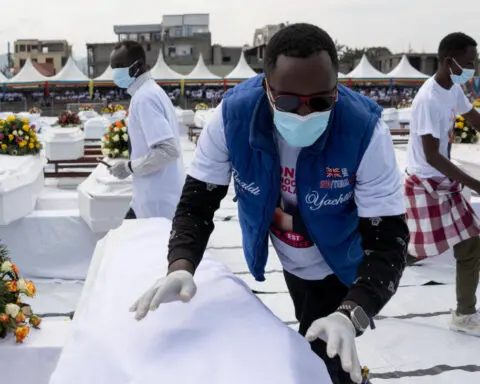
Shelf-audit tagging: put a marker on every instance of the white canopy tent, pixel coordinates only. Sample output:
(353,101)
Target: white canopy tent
(201,73)
(162,72)
(106,76)
(28,75)
(342,76)
(70,74)
(404,70)
(366,71)
(242,71)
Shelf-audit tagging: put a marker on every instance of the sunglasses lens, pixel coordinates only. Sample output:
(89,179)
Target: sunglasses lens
(287,103)
(320,104)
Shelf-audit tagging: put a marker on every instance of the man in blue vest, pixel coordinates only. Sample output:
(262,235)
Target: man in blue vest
(314,169)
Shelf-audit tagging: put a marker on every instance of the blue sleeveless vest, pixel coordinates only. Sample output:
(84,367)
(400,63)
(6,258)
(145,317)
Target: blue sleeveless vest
(325,175)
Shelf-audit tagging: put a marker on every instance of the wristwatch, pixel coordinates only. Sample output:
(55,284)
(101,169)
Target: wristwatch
(357,316)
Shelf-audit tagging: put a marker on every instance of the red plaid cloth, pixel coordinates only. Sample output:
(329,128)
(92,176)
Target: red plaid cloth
(438,216)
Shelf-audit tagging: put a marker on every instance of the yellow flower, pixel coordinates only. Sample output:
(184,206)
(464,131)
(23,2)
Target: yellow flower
(21,333)
(10,118)
(32,290)
(25,121)
(26,127)
(22,144)
(4,146)
(35,321)
(31,145)
(20,318)
(2,122)
(461,118)
(11,286)
(460,124)
(10,137)
(37,145)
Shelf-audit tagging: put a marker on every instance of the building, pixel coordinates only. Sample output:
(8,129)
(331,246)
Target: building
(49,55)
(254,55)
(181,38)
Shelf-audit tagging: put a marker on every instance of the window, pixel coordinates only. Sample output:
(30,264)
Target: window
(22,48)
(29,48)
(149,47)
(64,61)
(133,36)
(22,63)
(157,36)
(145,37)
(44,49)
(172,51)
(49,60)
(34,60)
(227,59)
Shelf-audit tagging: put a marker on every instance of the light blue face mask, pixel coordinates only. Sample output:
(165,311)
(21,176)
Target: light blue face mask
(466,74)
(300,131)
(121,76)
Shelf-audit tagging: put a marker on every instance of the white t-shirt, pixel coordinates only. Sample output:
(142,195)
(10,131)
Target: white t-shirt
(378,188)
(152,120)
(434,112)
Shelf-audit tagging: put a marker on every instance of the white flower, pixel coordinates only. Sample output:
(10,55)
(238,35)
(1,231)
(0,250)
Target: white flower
(106,151)
(22,286)
(6,267)
(116,138)
(26,137)
(103,139)
(20,133)
(125,137)
(124,129)
(464,135)
(12,310)
(116,129)
(15,132)
(125,154)
(116,151)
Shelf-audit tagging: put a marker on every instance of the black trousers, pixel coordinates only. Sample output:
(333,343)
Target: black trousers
(130,215)
(312,300)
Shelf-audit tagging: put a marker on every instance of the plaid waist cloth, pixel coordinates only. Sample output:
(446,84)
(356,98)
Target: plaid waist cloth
(438,216)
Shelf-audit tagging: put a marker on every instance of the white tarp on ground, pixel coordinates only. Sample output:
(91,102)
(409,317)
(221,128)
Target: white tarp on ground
(225,335)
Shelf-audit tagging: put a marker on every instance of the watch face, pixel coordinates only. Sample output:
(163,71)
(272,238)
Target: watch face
(360,317)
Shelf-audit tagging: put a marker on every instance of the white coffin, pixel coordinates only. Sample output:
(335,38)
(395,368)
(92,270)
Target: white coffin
(96,127)
(224,335)
(85,115)
(64,143)
(185,116)
(202,117)
(112,118)
(21,181)
(390,117)
(404,115)
(103,200)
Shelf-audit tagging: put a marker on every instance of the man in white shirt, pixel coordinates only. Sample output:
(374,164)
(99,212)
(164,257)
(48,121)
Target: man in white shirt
(155,163)
(314,169)
(437,214)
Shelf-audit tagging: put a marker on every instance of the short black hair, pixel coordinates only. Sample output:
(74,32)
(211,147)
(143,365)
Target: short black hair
(134,49)
(300,40)
(454,44)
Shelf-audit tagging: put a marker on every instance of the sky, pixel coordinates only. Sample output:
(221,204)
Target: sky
(396,24)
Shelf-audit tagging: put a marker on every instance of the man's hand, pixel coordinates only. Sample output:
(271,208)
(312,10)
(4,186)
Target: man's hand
(176,286)
(338,332)
(120,170)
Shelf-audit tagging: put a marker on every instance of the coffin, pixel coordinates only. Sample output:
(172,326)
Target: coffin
(185,116)
(103,200)
(96,127)
(390,117)
(85,115)
(225,335)
(404,115)
(202,117)
(21,181)
(64,143)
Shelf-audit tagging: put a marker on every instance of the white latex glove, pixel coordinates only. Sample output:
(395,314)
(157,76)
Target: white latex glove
(177,286)
(120,170)
(338,332)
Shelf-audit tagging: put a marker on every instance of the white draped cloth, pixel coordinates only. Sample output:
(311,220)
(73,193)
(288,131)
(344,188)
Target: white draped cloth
(225,335)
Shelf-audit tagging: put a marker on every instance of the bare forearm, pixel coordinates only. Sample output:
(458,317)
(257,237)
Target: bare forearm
(446,167)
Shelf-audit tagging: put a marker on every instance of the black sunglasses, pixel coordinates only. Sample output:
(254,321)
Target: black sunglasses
(320,102)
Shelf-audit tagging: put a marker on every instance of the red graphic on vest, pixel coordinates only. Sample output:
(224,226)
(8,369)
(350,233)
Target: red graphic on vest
(333,172)
(282,229)
(287,180)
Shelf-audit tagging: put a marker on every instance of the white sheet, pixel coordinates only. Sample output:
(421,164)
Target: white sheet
(102,185)
(225,335)
(17,171)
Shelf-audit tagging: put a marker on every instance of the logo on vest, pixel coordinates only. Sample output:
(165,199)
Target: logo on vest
(337,178)
(315,201)
(248,187)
